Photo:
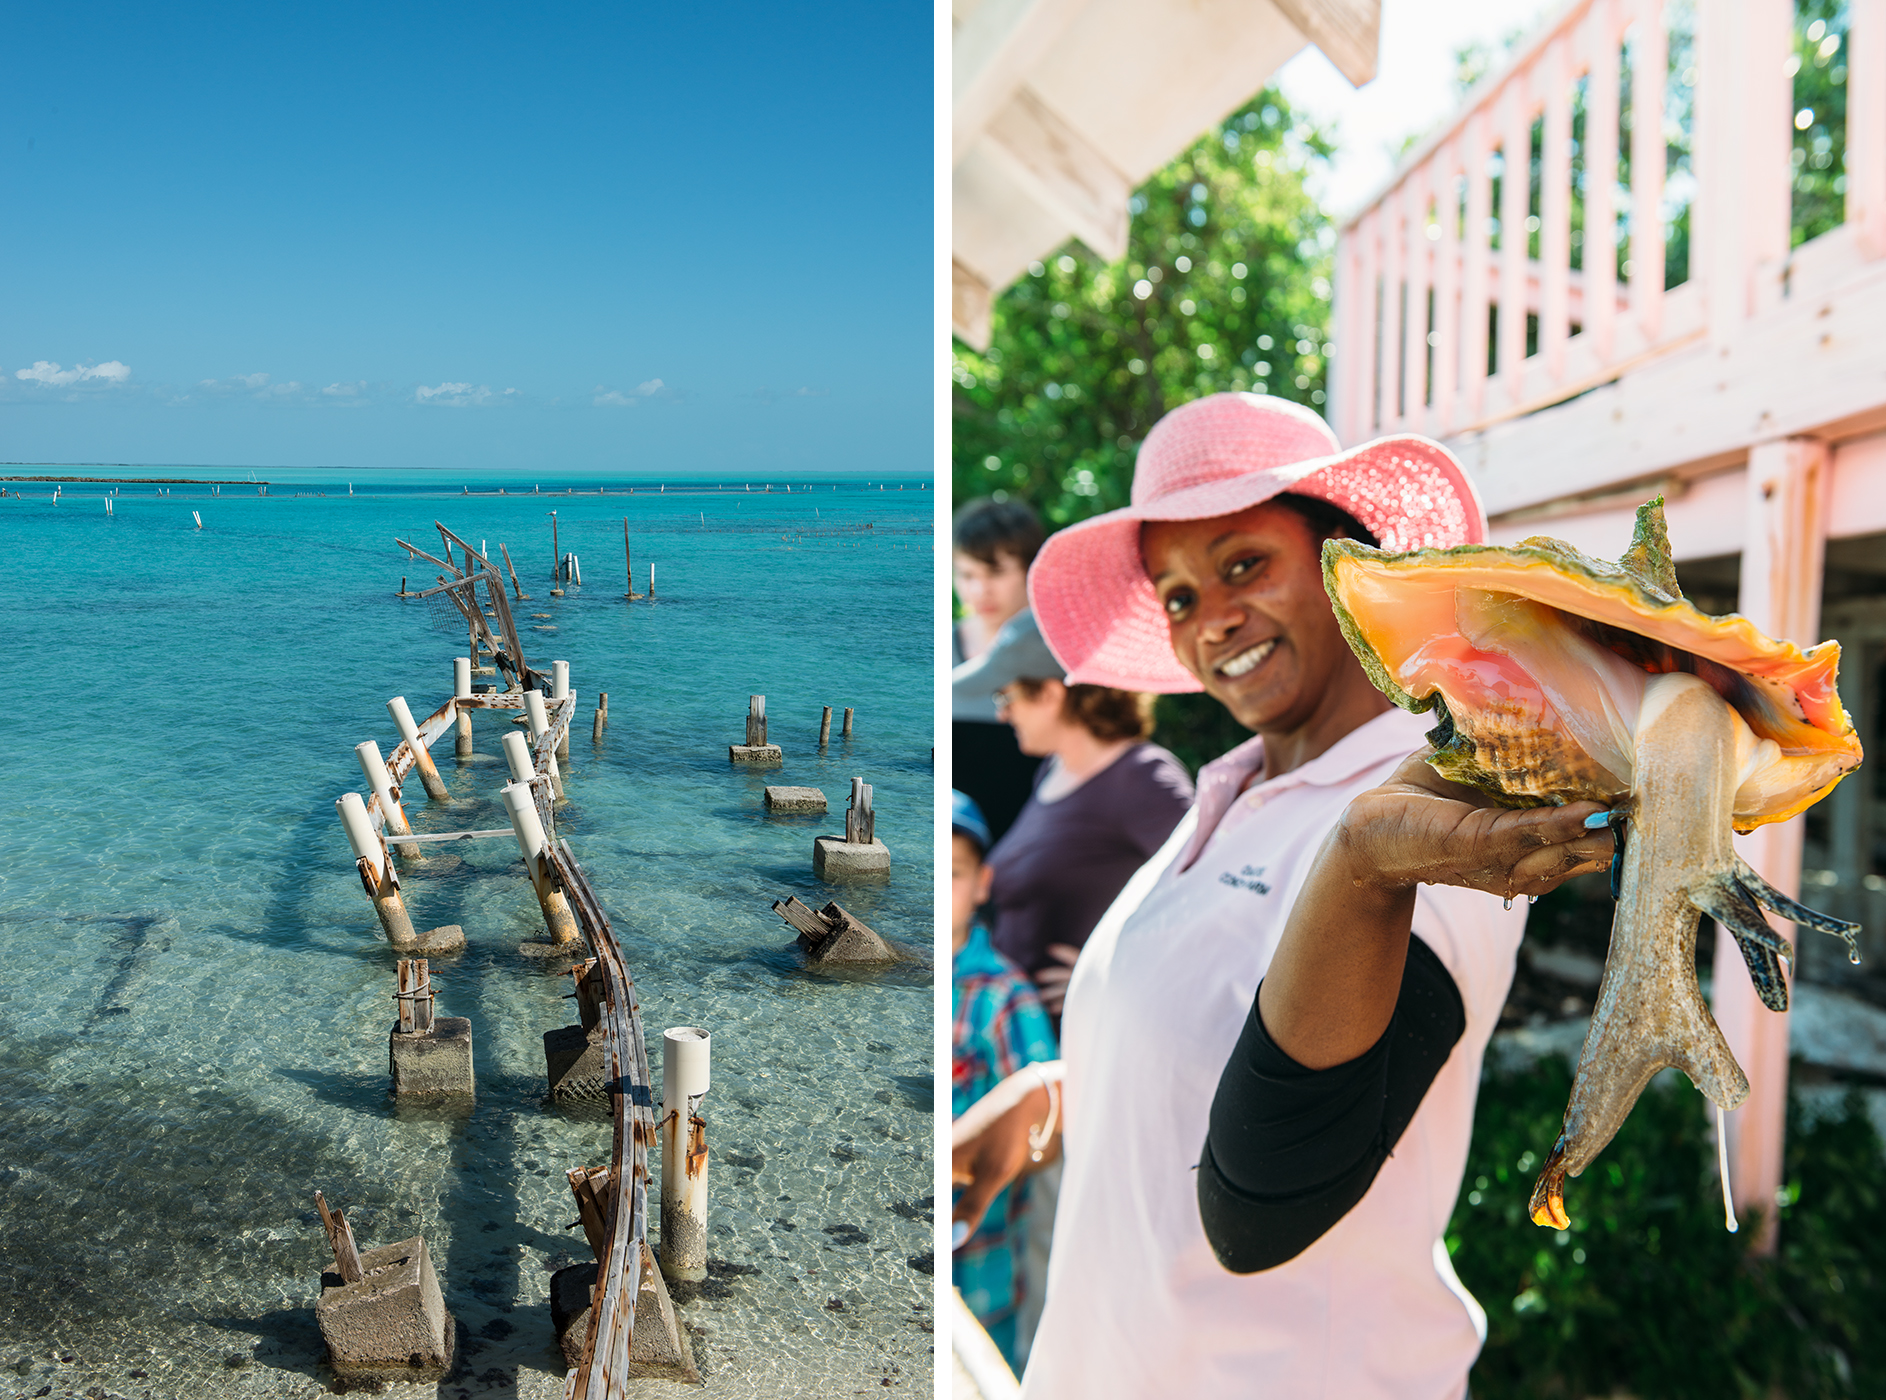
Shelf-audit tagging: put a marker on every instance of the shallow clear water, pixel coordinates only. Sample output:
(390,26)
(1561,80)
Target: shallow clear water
(194,1015)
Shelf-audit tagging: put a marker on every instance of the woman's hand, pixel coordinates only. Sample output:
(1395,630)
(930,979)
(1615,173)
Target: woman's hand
(1418,828)
(1051,981)
(989,1145)
(1336,975)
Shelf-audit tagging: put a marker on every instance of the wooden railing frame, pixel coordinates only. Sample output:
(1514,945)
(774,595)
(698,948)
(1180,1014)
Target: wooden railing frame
(1414,239)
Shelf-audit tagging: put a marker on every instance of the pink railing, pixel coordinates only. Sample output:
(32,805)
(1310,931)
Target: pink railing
(1423,282)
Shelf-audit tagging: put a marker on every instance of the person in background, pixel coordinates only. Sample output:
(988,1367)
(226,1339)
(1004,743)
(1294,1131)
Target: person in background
(997,1026)
(993,544)
(1104,802)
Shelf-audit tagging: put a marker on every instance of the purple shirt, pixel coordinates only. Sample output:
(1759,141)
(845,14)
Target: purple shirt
(1061,864)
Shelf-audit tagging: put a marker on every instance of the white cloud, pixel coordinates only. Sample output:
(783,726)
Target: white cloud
(617,398)
(346,390)
(462,395)
(49,372)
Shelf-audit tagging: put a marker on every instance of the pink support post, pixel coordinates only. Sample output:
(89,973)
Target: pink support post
(1788,494)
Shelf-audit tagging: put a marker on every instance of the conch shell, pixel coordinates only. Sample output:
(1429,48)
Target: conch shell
(1559,678)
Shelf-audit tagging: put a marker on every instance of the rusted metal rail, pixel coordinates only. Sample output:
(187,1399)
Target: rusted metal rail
(603,1374)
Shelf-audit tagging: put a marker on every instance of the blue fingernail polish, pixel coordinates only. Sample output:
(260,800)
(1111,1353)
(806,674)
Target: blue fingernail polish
(1597,820)
(959,1234)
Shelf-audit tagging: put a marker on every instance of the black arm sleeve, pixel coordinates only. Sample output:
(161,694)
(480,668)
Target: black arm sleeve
(1291,1150)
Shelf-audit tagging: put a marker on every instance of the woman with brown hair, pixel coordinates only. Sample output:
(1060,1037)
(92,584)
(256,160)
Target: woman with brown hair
(1105,800)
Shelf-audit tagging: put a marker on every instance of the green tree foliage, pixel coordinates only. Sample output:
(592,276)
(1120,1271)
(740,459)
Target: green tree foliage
(1225,285)
(1820,117)
(1647,1294)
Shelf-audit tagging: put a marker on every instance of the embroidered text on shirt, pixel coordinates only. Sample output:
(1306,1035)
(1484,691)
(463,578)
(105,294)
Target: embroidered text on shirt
(1246,879)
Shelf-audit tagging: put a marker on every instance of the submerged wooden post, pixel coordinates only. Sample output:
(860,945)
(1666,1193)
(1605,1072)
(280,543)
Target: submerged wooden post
(540,726)
(684,1083)
(377,875)
(522,806)
(825,727)
(602,717)
(422,760)
(522,596)
(756,720)
(628,560)
(560,689)
(415,996)
(461,690)
(846,732)
(556,558)
(385,795)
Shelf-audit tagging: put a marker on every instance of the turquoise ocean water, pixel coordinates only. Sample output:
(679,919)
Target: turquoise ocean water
(196,998)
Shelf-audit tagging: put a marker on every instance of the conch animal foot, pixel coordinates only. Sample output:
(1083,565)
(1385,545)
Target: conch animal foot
(1726,900)
(1548,1193)
(1795,912)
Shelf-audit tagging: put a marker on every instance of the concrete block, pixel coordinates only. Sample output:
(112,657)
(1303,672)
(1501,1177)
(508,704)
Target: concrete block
(837,860)
(763,754)
(576,1062)
(851,941)
(794,799)
(392,1325)
(435,1061)
(447,938)
(658,1350)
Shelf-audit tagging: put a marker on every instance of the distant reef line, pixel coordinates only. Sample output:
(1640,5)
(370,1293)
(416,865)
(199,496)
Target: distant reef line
(144,480)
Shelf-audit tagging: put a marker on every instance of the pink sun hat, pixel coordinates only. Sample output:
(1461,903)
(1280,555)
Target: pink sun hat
(1217,456)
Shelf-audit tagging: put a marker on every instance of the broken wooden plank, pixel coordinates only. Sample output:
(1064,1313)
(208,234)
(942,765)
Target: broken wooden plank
(340,1238)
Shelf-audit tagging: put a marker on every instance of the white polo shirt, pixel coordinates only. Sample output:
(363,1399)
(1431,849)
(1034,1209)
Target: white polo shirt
(1137,1306)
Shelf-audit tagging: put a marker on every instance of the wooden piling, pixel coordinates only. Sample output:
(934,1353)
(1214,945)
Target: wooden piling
(628,560)
(756,721)
(556,558)
(825,727)
(340,1238)
(846,732)
(414,996)
(522,596)
(860,822)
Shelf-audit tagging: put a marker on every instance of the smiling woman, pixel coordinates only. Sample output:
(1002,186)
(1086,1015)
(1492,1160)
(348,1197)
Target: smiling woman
(1272,1040)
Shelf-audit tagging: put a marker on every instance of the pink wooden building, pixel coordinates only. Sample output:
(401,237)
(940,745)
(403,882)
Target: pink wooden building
(1678,290)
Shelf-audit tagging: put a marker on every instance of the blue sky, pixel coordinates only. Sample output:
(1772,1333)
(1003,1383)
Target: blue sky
(615,239)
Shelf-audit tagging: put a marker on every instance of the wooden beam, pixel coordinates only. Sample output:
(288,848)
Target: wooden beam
(340,1238)
(1347,31)
(971,303)
(1061,171)
(991,55)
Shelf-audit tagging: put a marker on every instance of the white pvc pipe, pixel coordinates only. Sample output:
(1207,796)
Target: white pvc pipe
(422,761)
(559,679)
(461,690)
(403,718)
(381,781)
(360,833)
(531,840)
(540,726)
(517,756)
(685,1079)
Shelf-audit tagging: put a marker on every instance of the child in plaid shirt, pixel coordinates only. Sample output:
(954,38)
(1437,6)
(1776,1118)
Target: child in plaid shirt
(998,1027)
